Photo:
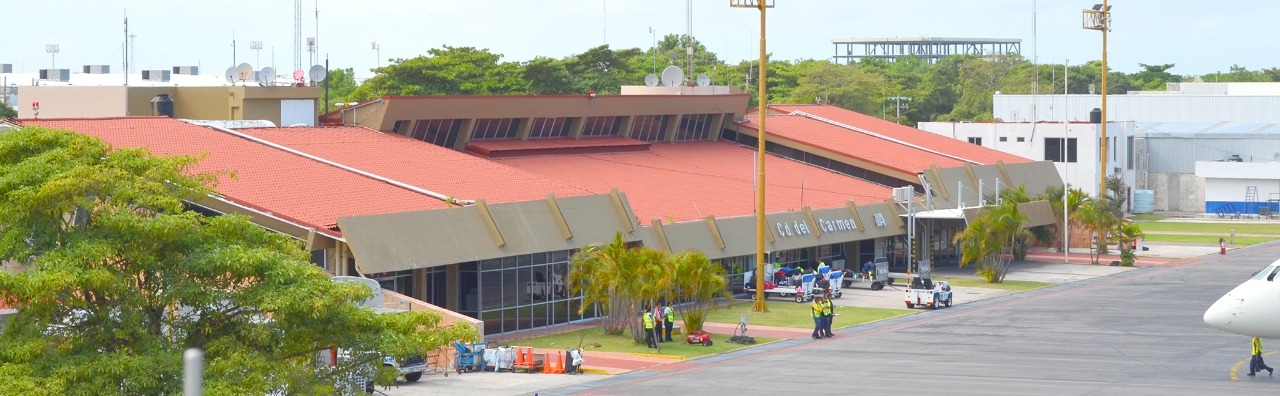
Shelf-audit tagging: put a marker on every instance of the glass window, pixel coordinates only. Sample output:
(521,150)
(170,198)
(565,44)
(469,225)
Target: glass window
(1053,150)
(976,140)
(494,128)
(649,128)
(601,126)
(438,132)
(549,127)
(695,127)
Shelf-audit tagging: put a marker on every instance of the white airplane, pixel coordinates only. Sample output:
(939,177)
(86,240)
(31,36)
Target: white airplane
(1251,309)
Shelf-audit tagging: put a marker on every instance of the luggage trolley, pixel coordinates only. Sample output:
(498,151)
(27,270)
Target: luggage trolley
(470,356)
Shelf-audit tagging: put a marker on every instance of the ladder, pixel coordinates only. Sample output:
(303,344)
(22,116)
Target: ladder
(1251,200)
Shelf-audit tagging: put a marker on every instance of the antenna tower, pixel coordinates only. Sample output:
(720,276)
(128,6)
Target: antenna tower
(297,34)
(688,49)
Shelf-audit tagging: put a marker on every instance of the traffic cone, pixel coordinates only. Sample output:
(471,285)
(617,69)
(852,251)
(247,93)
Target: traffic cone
(520,358)
(559,363)
(547,368)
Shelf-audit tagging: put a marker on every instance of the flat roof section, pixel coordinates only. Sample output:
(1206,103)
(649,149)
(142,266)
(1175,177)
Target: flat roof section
(287,185)
(424,165)
(686,181)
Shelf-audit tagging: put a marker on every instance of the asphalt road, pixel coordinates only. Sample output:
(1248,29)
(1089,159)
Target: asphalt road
(1133,333)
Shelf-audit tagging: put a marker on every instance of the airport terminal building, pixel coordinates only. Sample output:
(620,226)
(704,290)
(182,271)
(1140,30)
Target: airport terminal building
(477,204)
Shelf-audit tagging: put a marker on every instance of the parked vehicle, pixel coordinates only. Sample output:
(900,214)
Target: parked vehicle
(925,292)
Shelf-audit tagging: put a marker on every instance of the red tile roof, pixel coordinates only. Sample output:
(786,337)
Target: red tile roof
(931,149)
(424,165)
(287,185)
(690,180)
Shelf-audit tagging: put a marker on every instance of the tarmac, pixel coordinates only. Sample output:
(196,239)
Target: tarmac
(1040,266)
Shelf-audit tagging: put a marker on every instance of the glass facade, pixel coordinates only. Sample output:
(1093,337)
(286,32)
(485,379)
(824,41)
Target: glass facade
(519,292)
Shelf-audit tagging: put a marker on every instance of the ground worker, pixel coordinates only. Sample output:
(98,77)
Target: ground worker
(669,318)
(828,314)
(1255,361)
(1222,246)
(818,309)
(657,321)
(648,327)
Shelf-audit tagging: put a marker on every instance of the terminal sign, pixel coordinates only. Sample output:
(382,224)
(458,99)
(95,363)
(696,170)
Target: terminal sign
(793,228)
(837,225)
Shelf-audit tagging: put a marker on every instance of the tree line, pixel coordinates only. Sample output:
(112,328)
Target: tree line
(955,88)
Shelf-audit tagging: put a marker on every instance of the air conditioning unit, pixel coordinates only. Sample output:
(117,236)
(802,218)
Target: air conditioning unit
(97,69)
(6,68)
(156,75)
(186,70)
(902,194)
(62,75)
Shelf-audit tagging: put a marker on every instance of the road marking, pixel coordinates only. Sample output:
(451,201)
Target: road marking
(1235,375)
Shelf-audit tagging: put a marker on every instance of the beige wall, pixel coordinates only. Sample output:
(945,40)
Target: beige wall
(199,103)
(72,102)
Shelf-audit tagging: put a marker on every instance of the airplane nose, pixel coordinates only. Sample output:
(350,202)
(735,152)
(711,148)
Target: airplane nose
(1219,315)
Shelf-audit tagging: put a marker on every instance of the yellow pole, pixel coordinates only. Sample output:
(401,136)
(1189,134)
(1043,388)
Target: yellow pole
(759,305)
(1106,25)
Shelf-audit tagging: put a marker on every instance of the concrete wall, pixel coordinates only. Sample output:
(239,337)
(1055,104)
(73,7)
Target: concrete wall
(1177,192)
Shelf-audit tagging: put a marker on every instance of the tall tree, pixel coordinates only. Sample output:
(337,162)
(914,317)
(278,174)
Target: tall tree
(445,71)
(604,70)
(7,112)
(118,279)
(846,86)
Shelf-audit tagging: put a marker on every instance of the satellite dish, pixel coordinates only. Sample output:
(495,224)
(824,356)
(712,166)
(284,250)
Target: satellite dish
(232,74)
(244,72)
(298,74)
(704,80)
(651,80)
(318,73)
(672,76)
(267,75)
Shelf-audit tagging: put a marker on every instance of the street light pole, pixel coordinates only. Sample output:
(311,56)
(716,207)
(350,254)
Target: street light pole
(377,53)
(654,33)
(1099,18)
(761,5)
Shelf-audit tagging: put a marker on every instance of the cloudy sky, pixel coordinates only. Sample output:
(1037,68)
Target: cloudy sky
(1198,37)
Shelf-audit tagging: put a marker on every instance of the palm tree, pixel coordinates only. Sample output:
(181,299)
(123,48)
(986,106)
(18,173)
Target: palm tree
(990,238)
(1128,232)
(700,284)
(599,274)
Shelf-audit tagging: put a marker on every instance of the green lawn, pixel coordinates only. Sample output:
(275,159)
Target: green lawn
(1014,285)
(788,313)
(594,339)
(1215,229)
(1206,239)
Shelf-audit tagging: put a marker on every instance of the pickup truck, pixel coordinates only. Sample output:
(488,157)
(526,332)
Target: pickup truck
(927,293)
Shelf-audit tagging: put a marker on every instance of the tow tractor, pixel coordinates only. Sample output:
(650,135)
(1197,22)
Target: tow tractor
(925,292)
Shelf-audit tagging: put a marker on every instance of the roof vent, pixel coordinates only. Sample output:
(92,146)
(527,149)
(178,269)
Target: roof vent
(1235,158)
(156,75)
(97,69)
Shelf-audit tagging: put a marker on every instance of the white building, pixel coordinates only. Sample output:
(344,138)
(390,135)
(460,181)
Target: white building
(1181,102)
(1240,187)
(1043,141)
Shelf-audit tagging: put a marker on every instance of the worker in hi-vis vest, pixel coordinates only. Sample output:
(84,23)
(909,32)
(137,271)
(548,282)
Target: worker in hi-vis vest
(648,328)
